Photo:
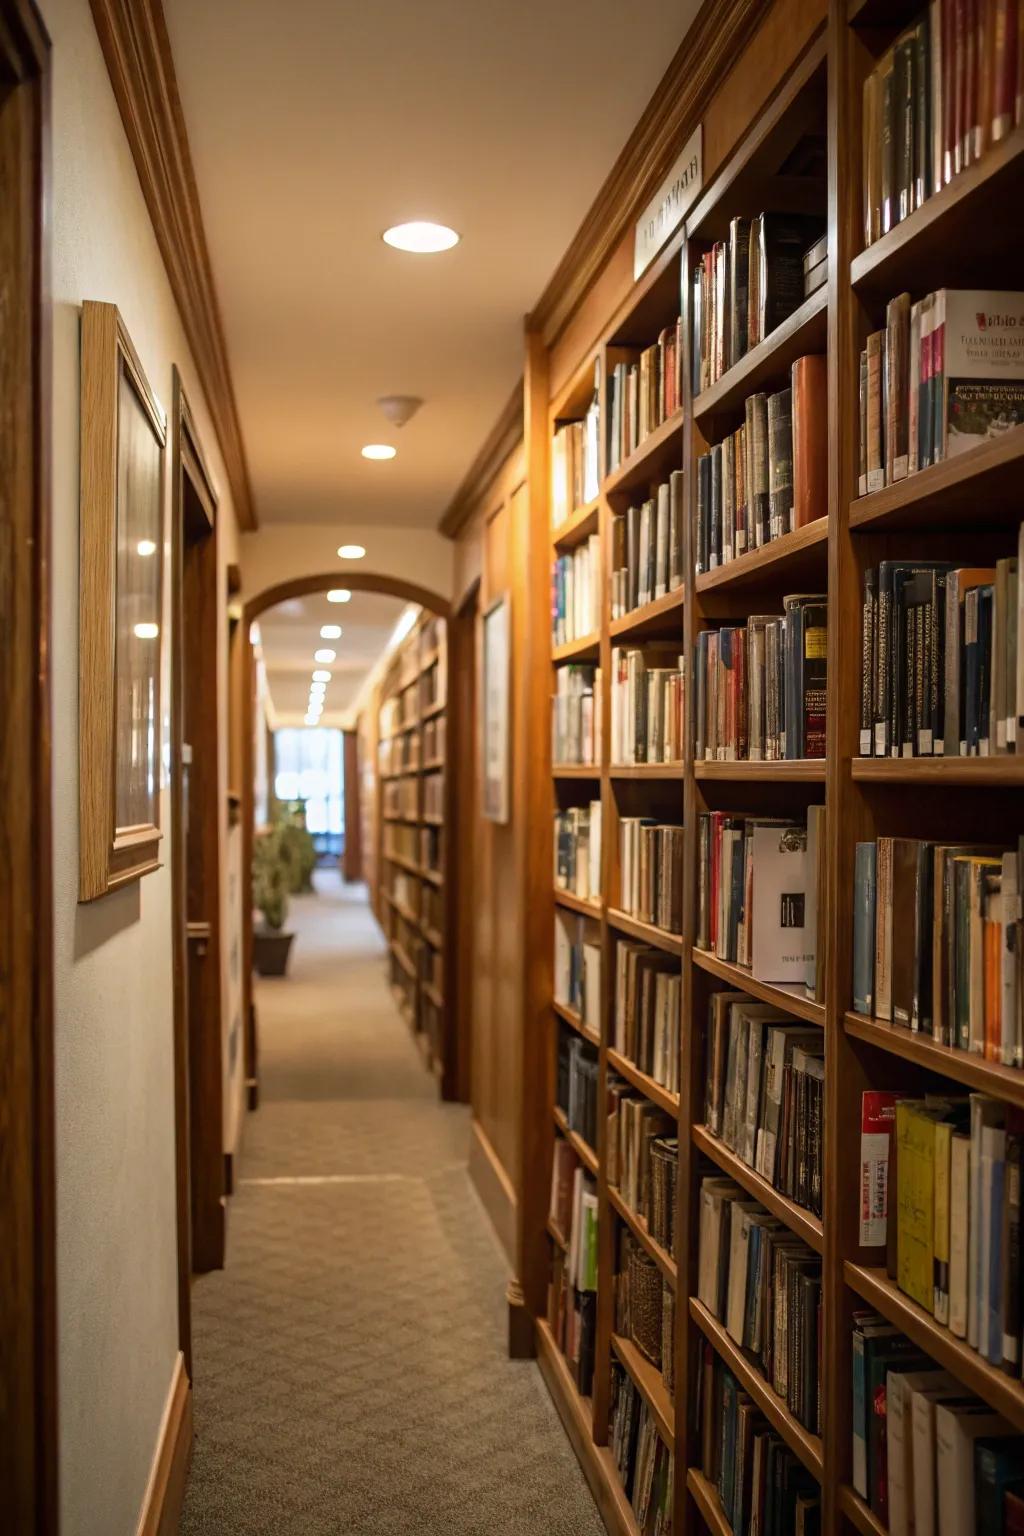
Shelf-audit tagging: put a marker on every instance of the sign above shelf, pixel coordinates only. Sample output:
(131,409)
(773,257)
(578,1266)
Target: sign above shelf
(670,204)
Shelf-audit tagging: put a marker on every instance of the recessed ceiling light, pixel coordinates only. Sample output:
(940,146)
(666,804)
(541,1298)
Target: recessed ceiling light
(324,655)
(321,677)
(378,451)
(145,547)
(330,631)
(147,631)
(317,690)
(421,237)
(351,552)
(312,719)
(339,595)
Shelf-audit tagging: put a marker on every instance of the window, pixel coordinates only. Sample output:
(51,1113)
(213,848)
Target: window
(309,766)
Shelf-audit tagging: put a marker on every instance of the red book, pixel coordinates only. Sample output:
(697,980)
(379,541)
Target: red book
(1005,84)
(877,1126)
(1013,1514)
(959,82)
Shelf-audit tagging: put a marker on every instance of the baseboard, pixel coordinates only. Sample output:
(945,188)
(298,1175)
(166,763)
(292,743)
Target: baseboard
(596,1460)
(494,1187)
(229,1173)
(165,1492)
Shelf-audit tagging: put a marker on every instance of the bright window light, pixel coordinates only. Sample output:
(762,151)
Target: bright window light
(324,655)
(145,547)
(378,451)
(320,676)
(147,631)
(421,237)
(330,632)
(351,552)
(312,719)
(339,594)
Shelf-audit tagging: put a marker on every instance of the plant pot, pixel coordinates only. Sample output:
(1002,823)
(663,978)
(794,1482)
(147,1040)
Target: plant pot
(270,951)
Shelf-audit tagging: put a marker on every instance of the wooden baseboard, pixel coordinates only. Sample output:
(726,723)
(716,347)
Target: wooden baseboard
(165,1492)
(494,1187)
(521,1341)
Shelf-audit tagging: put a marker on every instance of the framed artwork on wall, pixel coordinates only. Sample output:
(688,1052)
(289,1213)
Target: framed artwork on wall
(123,436)
(494,710)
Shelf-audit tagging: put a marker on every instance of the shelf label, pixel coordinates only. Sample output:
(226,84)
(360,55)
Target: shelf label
(670,204)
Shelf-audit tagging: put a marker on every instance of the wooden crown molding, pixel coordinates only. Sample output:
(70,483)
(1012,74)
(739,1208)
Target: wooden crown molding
(710,47)
(133,36)
(504,436)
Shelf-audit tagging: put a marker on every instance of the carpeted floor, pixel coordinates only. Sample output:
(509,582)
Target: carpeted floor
(350,1375)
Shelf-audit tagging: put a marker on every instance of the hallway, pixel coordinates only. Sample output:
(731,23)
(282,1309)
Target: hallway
(348,1363)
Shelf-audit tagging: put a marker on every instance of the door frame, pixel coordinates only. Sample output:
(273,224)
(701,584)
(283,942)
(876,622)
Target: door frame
(29,1452)
(462,770)
(189,461)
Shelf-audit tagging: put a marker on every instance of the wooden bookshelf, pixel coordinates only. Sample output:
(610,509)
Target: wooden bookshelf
(804,1223)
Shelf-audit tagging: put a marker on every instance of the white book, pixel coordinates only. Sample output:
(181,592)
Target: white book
(592,985)
(957,1426)
(899,1395)
(985,1112)
(782,944)
(922,1410)
(741,1213)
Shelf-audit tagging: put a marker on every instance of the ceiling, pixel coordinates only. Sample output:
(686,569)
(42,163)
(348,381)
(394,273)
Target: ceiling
(290,633)
(313,127)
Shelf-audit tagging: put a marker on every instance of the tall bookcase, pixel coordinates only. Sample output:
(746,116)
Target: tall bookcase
(959,509)
(411,775)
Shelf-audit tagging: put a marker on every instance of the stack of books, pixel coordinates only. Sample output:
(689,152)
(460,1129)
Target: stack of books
(948,88)
(577,977)
(576,715)
(647,704)
(937,942)
(760,688)
(575,471)
(576,593)
(645,1026)
(647,548)
(578,850)
(768,477)
(645,1306)
(642,1457)
(634,1124)
(764,1093)
(578,1083)
(945,375)
(651,872)
(642,393)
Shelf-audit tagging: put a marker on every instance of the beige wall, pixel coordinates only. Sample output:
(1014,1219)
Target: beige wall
(117,1267)
(286,551)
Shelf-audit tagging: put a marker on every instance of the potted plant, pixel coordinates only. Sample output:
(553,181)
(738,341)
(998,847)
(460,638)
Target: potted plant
(270,881)
(297,849)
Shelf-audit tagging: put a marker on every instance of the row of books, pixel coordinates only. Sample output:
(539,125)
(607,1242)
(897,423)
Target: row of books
(576,714)
(577,973)
(745,286)
(433,794)
(648,992)
(642,393)
(760,688)
(647,704)
(578,850)
(645,1306)
(758,883)
(928,1455)
(640,1143)
(946,374)
(647,548)
(572,1288)
(770,476)
(942,669)
(651,872)
(764,1089)
(576,1086)
(764,1286)
(948,88)
(764,1489)
(643,1459)
(937,942)
(576,592)
(575,460)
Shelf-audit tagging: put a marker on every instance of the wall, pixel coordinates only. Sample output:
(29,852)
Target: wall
(286,551)
(117,1264)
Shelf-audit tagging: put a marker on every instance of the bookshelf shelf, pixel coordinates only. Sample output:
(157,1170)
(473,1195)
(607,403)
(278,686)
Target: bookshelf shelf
(403,959)
(663,1097)
(432,993)
(646,463)
(429,820)
(804,770)
(586,1155)
(647,771)
(578,903)
(400,906)
(671,943)
(429,766)
(649,619)
(576,771)
(584,649)
(432,876)
(977,489)
(802,553)
(1006,1083)
(577,527)
(793,999)
(409,865)
(433,710)
(432,935)
(803,1223)
(556,1234)
(979,771)
(647,1379)
(705,1496)
(575,1021)
(768,362)
(638,1227)
(938,243)
(1001,1392)
(800,1440)
(860,1514)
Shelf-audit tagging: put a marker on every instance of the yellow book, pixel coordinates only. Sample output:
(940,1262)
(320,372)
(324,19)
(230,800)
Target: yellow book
(915,1207)
(943,1148)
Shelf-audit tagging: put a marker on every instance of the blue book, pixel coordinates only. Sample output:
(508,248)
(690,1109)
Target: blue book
(864,928)
(997,1468)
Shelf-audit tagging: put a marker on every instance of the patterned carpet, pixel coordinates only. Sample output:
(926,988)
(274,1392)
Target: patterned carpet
(350,1375)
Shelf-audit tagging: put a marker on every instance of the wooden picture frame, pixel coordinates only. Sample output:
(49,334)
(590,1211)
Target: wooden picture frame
(123,441)
(495,727)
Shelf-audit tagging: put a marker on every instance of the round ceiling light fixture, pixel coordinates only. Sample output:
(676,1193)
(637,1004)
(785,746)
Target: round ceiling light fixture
(147,631)
(378,451)
(339,595)
(421,237)
(351,552)
(321,677)
(324,655)
(146,547)
(330,631)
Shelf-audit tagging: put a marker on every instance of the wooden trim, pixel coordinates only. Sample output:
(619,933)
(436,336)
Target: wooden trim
(502,440)
(494,1187)
(165,1491)
(356,581)
(133,36)
(713,42)
(28,1287)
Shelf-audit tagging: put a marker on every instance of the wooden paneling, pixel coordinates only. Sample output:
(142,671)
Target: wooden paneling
(353,856)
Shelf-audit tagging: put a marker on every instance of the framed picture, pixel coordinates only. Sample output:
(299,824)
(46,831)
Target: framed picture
(494,709)
(123,436)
